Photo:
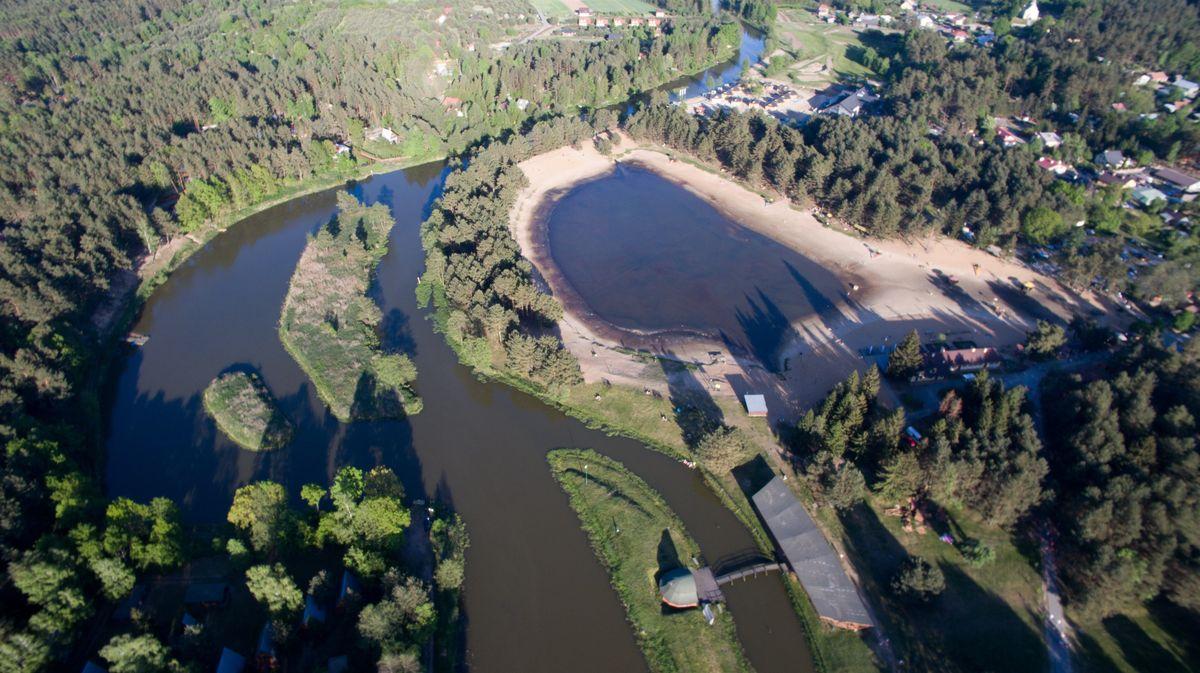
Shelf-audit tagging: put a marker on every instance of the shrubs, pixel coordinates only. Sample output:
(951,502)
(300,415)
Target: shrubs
(329,323)
(918,580)
(724,449)
(906,360)
(1045,341)
(977,553)
(246,412)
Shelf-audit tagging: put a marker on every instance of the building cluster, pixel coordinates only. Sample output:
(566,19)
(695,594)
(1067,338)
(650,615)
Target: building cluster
(747,94)
(205,603)
(783,101)
(585,18)
(1152,188)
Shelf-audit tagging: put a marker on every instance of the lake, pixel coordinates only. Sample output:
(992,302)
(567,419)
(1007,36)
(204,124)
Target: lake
(649,258)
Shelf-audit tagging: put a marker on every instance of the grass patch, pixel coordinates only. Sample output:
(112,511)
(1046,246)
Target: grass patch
(1155,637)
(329,323)
(552,9)
(621,6)
(245,411)
(988,618)
(637,537)
(821,50)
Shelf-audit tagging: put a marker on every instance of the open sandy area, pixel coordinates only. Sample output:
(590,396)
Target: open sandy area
(891,288)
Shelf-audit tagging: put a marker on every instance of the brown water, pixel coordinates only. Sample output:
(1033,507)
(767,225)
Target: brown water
(536,599)
(652,261)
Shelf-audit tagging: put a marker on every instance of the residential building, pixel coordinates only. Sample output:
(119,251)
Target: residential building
(1187,87)
(382,133)
(1008,137)
(1050,139)
(1178,179)
(1031,14)
(1111,159)
(1146,196)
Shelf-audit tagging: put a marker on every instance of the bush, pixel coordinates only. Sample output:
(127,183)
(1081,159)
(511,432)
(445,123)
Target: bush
(919,580)
(977,553)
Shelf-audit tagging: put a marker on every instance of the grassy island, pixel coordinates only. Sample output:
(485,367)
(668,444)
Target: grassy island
(637,537)
(329,323)
(245,411)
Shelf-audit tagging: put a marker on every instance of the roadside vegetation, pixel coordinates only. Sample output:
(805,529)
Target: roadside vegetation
(244,409)
(329,323)
(638,538)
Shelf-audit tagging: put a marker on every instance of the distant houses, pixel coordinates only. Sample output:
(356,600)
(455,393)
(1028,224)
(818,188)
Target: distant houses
(381,133)
(586,18)
(1184,182)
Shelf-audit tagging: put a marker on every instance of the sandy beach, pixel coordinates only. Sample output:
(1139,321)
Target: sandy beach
(891,288)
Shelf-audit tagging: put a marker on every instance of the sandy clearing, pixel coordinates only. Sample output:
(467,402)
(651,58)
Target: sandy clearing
(901,286)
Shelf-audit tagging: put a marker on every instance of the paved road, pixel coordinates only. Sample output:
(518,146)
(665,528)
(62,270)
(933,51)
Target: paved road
(1057,630)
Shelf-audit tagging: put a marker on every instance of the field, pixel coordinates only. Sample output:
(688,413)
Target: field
(329,322)
(245,411)
(822,51)
(948,6)
(565,9)
(637,538)
(552,9)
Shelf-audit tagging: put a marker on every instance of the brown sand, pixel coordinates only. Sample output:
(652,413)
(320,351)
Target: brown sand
(901,286)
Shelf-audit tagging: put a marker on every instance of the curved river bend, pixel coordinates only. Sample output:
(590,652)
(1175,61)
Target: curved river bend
(536,598)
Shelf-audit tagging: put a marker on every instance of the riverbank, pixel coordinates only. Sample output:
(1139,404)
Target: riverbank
(885,289)
(638,538)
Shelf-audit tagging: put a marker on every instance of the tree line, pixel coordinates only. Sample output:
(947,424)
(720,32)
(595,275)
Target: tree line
(488,304)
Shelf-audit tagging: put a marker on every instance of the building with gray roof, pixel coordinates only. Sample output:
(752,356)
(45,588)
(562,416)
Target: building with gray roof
(811,557)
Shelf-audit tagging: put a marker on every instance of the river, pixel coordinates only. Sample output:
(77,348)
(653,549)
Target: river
(536,598)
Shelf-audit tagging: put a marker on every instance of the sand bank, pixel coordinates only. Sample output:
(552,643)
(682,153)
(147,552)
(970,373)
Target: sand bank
(890,288)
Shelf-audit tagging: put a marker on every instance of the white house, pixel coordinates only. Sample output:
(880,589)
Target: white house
(1031,14)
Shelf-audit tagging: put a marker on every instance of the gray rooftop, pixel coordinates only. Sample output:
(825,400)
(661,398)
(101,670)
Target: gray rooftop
(810,555)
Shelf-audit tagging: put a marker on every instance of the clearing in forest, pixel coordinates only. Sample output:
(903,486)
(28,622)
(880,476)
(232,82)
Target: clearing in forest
(246,412)
(638,538)
(329,323)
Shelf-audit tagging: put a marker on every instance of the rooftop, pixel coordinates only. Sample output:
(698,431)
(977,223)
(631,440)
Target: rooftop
(811,557)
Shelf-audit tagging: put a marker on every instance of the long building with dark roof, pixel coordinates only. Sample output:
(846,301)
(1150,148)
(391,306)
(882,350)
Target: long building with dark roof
(811,557)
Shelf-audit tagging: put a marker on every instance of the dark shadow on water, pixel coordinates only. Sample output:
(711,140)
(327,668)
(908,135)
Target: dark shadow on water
(766,330)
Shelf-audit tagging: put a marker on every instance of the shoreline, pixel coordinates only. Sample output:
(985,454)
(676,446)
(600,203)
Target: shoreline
(888,288)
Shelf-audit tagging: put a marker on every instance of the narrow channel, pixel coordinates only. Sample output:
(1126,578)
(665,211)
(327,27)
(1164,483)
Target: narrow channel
(536,597)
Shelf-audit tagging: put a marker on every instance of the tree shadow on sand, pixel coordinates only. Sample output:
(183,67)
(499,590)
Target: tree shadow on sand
(695,411)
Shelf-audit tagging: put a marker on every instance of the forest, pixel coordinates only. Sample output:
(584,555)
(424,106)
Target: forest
(127,125)
(488,305)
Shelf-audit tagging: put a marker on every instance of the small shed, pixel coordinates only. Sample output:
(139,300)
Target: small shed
(231,662)
(338,664)
(207,594)
(313,612)
(93,667)
(756,406)
(1145,196)
(264,655)
(130,603)
(678,588)
(350,588)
